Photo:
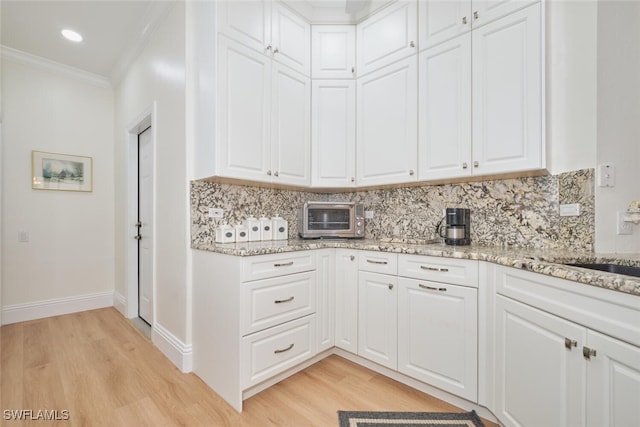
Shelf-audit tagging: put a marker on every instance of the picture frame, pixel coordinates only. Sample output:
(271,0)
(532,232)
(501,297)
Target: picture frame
(62,172)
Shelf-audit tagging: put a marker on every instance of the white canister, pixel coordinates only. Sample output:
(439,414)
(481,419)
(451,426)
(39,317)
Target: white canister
(242,233)
(253,226)
(225,234)
(266,230)
(280,228)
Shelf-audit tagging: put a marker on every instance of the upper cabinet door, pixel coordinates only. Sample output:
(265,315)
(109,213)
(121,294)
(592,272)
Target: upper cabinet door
(507,94)
(290,39)
(444,110)
(442,20)
(333,139)
(291,136)
(485,11)
(387,36)
(248,22)
(243,127)
(333,49)
(387,140)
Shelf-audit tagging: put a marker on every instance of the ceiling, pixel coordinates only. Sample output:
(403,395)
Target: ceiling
(113,30)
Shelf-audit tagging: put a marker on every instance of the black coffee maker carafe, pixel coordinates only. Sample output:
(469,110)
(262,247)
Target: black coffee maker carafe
(458,226)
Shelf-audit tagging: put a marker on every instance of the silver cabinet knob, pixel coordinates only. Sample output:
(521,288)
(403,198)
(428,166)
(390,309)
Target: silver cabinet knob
(569,343)
(588,353)
(411,172)
(353,179)
(268,47)
(475,15)
(269,172)
(464,20)
(276,173)
(390,286)
(475,163)
(465,165)
(352,257)
(353,70)
(137,237)
(412,44)
(276,50)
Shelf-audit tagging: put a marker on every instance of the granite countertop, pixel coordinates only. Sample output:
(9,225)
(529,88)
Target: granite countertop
(544,261)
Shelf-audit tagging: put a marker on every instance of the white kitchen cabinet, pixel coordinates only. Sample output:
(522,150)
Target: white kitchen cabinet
(437,335)
(254,318)
(444,110)
(346,302)
(387,125)
(439,21)
(325,300)
(333,51)
(270,28)
(566,347)
(536,369)
(333,139)
(290,39)
(378,318)
(387,36)
(264,118)
(507,94)
(291,127)
(613,380)
(244,128)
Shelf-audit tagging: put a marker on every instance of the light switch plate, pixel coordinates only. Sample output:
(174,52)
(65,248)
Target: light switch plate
(572,209)
(623,227)
(216,213)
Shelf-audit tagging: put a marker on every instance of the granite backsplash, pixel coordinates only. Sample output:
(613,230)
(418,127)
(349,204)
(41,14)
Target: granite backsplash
(519,212)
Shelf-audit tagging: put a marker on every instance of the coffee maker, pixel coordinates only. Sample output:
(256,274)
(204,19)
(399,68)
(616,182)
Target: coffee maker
(458,226)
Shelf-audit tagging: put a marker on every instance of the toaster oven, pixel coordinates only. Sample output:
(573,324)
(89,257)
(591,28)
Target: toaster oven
(331,220)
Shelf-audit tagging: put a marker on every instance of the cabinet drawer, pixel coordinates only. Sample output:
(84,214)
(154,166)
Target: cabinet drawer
(269,302)
(264,266)
(446,270)
(267,353)
(378,262)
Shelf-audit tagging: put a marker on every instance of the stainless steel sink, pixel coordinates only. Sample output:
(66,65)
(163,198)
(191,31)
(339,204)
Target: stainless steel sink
(611,268)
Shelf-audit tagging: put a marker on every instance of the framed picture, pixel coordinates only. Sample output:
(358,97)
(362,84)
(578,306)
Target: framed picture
(52,171)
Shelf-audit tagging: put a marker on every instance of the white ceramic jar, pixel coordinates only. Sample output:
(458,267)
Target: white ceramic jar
(225,234)
(242,233)
(280,228)
(266,230)
(253,227)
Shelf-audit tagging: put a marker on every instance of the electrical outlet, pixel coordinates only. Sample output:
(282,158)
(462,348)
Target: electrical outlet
(572,209)
(23,236)
(622,226)
(216,213)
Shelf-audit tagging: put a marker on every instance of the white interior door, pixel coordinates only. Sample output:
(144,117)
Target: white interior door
(145,226)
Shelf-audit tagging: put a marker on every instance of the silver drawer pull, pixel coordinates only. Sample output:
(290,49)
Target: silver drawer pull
(377,262)
(432,288)
(284,264)
(280,301)
(283,350)
(443,270)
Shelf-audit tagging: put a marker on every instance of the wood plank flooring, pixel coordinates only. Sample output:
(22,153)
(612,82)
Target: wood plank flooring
(100,368)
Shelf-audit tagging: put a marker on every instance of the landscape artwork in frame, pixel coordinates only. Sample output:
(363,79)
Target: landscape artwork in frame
(52,171)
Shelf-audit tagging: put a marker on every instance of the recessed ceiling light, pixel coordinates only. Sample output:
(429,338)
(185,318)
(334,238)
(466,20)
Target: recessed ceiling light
(71,35)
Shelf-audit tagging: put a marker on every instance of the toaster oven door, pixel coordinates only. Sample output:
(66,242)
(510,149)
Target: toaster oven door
(332,220)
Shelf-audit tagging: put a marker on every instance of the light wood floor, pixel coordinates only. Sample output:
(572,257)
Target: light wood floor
(101,369)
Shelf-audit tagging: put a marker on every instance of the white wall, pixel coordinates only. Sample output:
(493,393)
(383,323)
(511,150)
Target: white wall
(618,119)
(70,250)
(158,75)
(571,104)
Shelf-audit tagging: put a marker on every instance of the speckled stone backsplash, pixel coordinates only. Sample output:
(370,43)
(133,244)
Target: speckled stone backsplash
(520,212)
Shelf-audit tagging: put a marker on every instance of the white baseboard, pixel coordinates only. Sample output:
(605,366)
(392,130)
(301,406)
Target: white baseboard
(55,307)
(175,350)
(120,303)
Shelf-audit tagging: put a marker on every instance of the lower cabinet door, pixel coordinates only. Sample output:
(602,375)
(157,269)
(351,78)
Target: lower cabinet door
(438,335)
(613,382)
(274,350)
(378,318)
(540,372)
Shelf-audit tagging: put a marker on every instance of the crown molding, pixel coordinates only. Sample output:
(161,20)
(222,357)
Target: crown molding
(25,58)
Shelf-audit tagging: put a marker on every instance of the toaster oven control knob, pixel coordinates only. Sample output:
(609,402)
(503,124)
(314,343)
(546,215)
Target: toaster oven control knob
(359,232)
(359,223)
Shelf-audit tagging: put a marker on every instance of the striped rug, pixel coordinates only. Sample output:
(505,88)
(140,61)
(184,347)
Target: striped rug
(408,419)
